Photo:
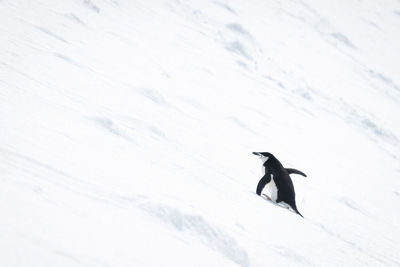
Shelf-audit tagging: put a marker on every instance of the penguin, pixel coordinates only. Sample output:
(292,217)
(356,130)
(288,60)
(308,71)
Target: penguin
(277,180)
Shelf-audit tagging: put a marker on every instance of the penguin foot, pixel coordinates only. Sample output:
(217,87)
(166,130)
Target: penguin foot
(267,197)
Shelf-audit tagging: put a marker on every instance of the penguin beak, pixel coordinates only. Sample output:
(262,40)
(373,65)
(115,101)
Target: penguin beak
(256,153)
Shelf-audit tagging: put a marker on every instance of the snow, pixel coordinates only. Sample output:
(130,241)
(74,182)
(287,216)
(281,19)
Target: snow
(128,129)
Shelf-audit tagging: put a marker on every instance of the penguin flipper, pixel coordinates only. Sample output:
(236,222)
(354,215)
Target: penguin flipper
(290,171)
(261,184)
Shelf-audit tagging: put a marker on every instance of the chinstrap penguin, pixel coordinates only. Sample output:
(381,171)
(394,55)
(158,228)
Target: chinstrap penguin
(277,180)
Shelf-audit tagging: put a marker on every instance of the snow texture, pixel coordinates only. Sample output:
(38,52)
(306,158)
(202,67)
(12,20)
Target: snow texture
(127,132)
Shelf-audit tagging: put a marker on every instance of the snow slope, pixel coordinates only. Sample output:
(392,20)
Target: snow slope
(127,129)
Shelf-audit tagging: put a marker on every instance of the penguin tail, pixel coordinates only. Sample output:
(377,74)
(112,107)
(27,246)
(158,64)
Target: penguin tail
(296,210)
(299,213)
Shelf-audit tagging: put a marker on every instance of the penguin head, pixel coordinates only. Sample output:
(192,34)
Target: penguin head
(264,156)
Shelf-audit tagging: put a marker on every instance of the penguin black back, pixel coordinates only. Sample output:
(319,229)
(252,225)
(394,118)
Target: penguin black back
(277,180)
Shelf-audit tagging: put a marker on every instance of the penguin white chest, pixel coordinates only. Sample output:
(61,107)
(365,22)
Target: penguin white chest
(273,190)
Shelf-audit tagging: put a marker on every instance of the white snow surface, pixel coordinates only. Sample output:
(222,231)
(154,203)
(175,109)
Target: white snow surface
(127,132)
